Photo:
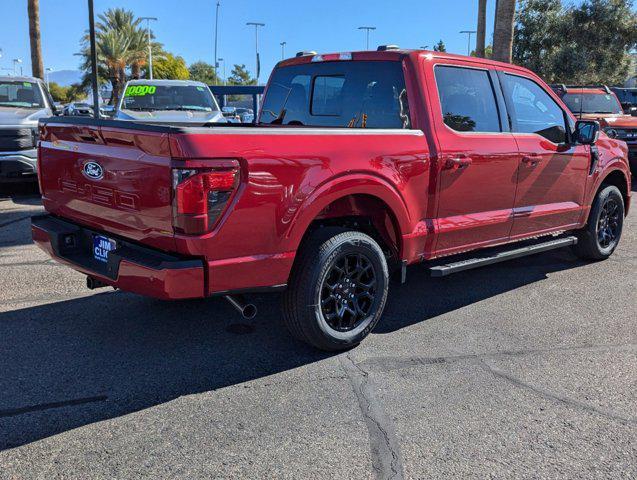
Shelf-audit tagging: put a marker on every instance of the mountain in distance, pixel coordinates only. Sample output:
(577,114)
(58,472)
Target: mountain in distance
(65,77)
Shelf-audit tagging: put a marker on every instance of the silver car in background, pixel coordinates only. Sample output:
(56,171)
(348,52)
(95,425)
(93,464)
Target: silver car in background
(23,101)
(172,102)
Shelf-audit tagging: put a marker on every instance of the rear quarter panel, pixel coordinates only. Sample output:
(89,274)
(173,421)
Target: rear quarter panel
(288,176)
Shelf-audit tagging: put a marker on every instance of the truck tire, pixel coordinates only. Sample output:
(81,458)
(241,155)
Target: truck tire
(600,237)
(338,289)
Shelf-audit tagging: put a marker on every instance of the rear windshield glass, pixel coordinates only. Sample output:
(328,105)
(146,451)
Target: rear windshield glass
(163,97)
(338,94)
(20,94)
(592,103)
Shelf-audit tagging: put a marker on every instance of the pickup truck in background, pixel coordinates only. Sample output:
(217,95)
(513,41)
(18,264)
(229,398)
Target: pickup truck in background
(168,102)
(359,165)
(23,101)
(600,103)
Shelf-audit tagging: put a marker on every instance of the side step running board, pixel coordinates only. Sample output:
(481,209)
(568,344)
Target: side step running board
(455,267)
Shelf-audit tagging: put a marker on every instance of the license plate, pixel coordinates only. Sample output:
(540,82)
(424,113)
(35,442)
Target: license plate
(101,247)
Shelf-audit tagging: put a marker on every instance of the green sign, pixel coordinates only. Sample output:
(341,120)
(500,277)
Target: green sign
(140,90)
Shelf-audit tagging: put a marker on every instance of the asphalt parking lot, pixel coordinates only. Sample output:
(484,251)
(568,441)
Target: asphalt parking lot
(523,370)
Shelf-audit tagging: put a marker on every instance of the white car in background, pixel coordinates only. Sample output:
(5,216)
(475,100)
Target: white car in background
(170,102)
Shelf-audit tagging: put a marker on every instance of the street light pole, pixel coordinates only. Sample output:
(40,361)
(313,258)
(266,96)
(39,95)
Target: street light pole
(367,29)
(283,44)
(256,26)
(16,62)
(223,80)
(150,48)
(469,33)
(216,64)
(46,76)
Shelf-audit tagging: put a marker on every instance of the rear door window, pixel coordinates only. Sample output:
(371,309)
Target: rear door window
(365,94)
(534,111)
(467,99)
(327,96)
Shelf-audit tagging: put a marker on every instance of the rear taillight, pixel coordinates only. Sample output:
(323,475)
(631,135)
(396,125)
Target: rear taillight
(201,197)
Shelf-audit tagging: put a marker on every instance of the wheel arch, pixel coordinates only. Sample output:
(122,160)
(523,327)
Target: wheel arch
(619,179)
(362,202)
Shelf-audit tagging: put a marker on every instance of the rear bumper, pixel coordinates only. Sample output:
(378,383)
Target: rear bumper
(130,267)
(18,166)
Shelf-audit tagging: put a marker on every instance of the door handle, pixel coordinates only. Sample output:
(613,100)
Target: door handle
(531,160)
(457,163)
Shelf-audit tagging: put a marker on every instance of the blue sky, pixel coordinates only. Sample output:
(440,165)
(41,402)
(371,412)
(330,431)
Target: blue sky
(186,27)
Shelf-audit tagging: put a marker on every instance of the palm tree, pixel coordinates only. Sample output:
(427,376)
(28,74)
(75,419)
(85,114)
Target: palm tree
(503,34)
(481,30)
(121,47)
(113,56)
(37,66)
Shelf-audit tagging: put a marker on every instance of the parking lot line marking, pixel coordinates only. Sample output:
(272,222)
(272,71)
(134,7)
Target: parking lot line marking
(12,412)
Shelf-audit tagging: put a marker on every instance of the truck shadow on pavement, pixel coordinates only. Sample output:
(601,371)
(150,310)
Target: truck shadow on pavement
(75,362)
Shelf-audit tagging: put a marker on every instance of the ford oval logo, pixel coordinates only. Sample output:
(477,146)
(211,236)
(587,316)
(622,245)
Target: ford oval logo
(93,170)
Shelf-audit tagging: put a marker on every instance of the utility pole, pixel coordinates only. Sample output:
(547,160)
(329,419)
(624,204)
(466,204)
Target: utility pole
(283,44)
(367,29)
(91,25)
(216,64)
(256,26)
(150,47)
(469,33)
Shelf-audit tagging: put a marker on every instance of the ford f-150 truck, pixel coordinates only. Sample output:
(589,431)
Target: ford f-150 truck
(360,164)
(602,104)
(23,101)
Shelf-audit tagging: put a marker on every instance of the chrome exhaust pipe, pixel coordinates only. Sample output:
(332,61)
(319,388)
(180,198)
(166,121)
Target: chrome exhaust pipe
(247,310)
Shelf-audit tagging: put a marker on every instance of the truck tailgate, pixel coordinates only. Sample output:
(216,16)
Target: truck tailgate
(110,178)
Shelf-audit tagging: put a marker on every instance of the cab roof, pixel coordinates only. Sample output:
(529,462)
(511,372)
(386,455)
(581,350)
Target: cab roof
(12,78)
(582,90)
(394,54)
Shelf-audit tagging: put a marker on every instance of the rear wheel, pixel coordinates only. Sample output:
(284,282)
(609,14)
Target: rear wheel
(600,237)
(338,289)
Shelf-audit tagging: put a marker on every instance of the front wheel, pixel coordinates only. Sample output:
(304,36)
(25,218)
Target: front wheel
(599,239)
(338,289)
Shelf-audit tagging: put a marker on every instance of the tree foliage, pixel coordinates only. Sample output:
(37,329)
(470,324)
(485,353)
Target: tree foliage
(241,76)
(67,94)
(121,47)
(203,72)
(440,46)
(586,43)
(170,67)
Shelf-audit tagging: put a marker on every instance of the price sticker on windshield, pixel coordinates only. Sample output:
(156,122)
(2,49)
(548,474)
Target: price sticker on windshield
(140,90)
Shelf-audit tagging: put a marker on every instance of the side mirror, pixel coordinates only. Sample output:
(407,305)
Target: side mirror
(586,132)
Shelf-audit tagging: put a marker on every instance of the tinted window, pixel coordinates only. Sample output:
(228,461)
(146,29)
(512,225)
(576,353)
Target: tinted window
(168,97)
(467,99)
(338,94)
(534,111)
(592,103)
(20,94)
(327,96)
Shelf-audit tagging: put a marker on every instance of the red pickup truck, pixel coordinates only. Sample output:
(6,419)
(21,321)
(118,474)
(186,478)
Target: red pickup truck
(359,165)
